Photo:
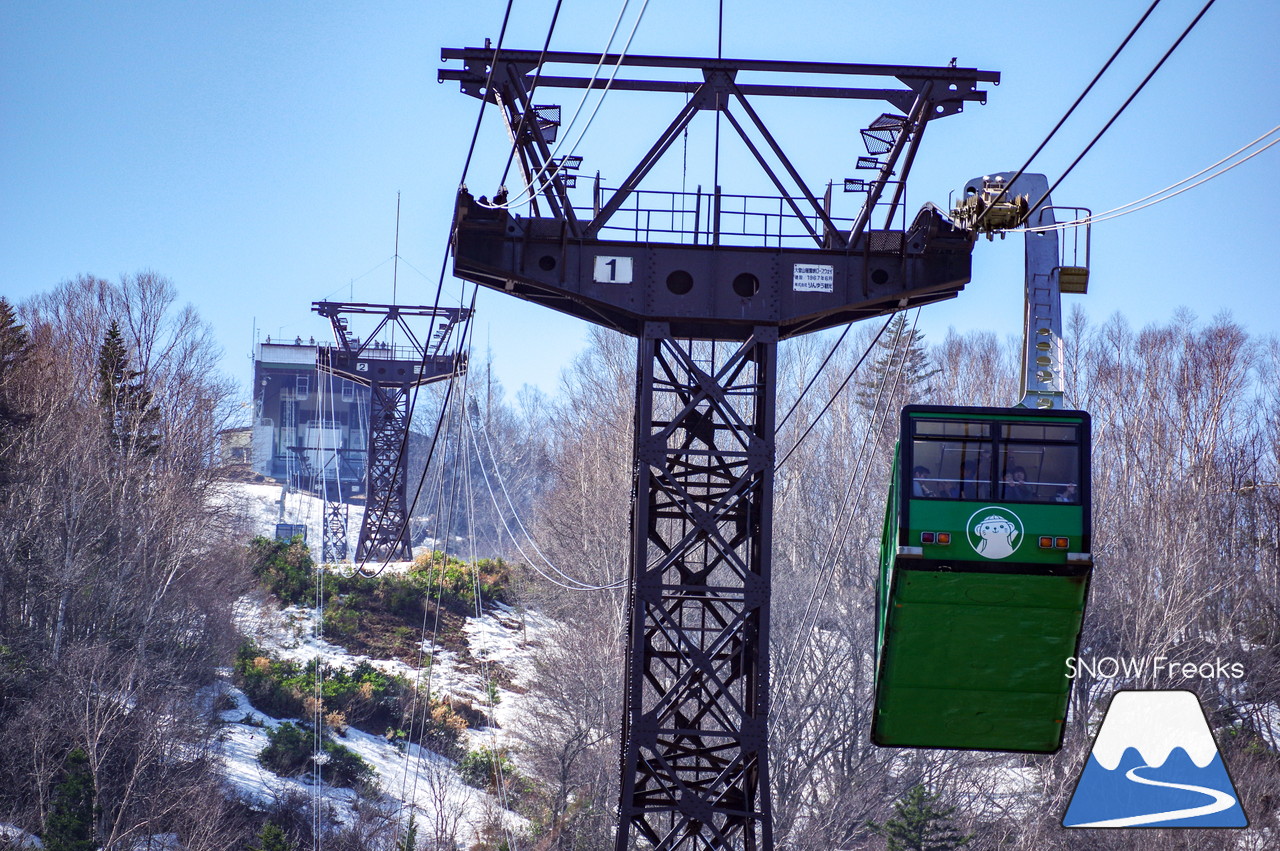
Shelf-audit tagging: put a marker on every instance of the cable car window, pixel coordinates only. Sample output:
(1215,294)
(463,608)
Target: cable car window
(1029,431)
(1040,473)
(952,428)
(1037,462)
(951,469)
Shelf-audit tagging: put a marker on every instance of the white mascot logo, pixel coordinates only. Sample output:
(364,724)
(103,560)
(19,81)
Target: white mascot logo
(998,534)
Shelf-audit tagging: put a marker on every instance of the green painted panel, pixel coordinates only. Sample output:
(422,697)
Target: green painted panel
(978,646)
(991,589)
(949,718)
(962,520)
(974,660)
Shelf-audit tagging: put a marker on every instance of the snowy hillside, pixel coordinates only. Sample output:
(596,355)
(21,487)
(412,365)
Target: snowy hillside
(265,505)
(406,774)
(483,669)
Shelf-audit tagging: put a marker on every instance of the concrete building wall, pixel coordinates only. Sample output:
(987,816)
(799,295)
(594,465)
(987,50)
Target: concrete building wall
(306,423)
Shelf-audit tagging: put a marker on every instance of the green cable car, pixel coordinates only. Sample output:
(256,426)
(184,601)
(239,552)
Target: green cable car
(984,570)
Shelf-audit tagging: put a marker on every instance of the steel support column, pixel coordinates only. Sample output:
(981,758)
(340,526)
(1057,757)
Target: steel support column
(334,545)
(391,372)
(384,532)
(694,768)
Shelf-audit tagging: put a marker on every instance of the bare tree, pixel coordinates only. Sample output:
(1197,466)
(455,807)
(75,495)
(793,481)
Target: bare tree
(1186,460)
(116,578)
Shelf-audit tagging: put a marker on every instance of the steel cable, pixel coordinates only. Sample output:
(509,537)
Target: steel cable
(578,585)
(529,191)
(820,586)
(1135,206)
(836,394)
(1071,109)
(1031,210)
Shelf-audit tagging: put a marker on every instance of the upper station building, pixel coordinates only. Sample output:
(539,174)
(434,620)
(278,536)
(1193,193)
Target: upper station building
(309,428)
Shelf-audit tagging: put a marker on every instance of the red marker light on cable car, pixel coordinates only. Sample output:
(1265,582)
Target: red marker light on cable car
(1062,543)
(1046,542)
(926,537)
(944,538)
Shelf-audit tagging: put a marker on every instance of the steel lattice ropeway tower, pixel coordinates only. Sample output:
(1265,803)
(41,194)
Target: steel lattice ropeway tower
(391,372)
(708,296)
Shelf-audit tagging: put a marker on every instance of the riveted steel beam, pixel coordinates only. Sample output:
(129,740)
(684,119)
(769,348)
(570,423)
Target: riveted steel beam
(704,292)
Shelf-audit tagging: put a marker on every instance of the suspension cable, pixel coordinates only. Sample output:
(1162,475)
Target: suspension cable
(490,686)
(595,73)
(812,379)
(578,585)
(1189,178)
(439,574)
(352,281)
(820,586)
(488,86)
(874,422)
(423,645)
(475,134)
(444,263)
(533,87)
(1067,114)
(515,514)
(317,695)
(836,394)
(465,338)
(529,190)
(413,399)
(1119,111)
(1135,206)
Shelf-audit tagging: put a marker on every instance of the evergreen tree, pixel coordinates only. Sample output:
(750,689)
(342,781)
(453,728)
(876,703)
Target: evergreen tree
(14,340)
(921,824)
(69,826)
(113,365)
(410,840)
(15,347)
(272,838)
(898,374)
(132,419)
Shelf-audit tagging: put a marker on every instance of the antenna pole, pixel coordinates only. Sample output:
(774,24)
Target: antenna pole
(395,264)
(395,269)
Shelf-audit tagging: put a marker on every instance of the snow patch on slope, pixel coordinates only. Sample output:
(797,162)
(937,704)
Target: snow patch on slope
(408,776)
(262,506)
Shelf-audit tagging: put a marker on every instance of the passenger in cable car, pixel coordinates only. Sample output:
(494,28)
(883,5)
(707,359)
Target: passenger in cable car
(919,485)
(1007,485)
(1067,494)
(1016,486)
(971,485)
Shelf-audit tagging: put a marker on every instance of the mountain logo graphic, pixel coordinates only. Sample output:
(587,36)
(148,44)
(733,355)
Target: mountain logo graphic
(1155,764)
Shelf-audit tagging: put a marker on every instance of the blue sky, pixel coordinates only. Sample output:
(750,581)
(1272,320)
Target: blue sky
(252,151)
